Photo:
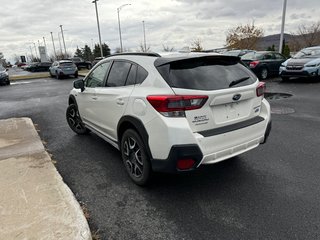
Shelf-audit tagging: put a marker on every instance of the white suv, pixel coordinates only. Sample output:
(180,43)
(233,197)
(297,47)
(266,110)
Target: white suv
(171,113)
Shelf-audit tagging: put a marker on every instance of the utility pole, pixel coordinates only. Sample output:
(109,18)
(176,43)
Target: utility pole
(95,3)
(54,48)
(64,44)
(60,43)
(144,37)
(282,25)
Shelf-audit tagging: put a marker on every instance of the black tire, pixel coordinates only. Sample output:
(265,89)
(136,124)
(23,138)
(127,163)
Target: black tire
(8,82)
(74,120)
(76,75)
(264,73)
(57,76)
(135,158)
(285,79)
(89,66)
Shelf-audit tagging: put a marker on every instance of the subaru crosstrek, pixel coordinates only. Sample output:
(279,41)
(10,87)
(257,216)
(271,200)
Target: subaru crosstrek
(306,63)
(171,113)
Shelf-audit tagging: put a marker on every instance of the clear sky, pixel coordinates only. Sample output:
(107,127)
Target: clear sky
(173,23)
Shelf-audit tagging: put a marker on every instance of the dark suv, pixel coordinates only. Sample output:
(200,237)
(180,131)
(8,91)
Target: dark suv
(4,76)
(263,63)
(80,63)
(39,67)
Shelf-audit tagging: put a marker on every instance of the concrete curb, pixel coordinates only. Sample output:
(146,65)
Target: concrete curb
(37,76)
(35,202)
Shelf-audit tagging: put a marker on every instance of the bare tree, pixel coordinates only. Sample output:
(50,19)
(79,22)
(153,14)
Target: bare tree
(166,48)
(310,35)
(142,48)
(196,45)
(244,36)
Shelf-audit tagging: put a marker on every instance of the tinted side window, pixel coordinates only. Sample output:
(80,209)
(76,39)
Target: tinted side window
(279,56)
(118,74)
(96,78)
(268,56)
(142,74)
(131,80)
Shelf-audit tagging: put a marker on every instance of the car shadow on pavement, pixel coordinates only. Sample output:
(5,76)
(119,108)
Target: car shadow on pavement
(206,175)
(301,81)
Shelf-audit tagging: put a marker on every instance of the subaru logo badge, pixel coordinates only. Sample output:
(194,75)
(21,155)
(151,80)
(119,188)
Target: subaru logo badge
(236,97)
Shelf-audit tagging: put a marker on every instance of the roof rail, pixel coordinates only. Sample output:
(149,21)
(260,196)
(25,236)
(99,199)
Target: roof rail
(137,54)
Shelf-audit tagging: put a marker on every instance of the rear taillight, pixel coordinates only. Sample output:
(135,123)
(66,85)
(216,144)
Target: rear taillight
(261,89)
(176,105)
(253,64)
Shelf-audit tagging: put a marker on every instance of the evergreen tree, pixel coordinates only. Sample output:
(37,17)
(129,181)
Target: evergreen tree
(286,51)
(105,50)
(78,53)
(86,53)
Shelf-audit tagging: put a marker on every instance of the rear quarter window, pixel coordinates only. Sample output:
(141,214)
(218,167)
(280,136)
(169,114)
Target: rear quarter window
(206,73)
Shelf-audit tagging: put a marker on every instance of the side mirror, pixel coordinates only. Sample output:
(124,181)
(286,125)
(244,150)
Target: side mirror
(79,84)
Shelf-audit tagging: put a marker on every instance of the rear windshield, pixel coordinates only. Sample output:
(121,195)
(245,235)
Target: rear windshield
(66,64)
(206,74)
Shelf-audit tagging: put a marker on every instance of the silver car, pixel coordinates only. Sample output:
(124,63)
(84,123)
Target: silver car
(63,68)
(306,63)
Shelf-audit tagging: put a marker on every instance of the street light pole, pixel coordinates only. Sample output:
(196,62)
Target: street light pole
(144,37)
(95,3)
(54,48)
(35,49)
(282,25)
(118,11)
(31,54)
(64,44)
(60,43)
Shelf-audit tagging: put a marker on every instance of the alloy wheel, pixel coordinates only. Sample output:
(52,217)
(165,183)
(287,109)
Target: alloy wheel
(133,157)
(74,120)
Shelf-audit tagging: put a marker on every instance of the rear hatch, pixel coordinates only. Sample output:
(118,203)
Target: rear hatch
(231,90)
(67,66)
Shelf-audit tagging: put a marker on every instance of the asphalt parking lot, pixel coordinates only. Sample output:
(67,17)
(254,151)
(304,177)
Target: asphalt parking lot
(271,192)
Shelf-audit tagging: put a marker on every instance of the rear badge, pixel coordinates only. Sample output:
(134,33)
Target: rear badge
(200,120)
(236,97)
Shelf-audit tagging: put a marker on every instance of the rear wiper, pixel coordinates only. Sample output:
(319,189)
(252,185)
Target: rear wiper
(235,82)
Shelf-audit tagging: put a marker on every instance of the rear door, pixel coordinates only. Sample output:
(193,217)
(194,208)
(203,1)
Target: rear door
(230,87)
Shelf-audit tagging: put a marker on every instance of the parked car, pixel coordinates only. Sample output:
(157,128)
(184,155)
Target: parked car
(39,67)
(96,60)
(4,76)
(264,63)
(306,63)
(237,52)
(172,113)
(63,68)
(80,63)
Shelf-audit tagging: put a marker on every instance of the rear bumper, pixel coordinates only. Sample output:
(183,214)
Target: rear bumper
(169,165)
(179,142)
(66,73)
